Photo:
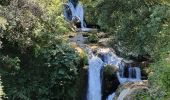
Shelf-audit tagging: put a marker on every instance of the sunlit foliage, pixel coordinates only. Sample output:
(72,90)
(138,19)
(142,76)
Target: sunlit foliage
(36,62)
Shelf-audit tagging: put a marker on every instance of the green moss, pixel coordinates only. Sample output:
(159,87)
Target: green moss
(110,69)
(93,38)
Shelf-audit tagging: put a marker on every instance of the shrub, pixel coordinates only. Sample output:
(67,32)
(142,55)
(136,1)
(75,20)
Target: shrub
(93,38)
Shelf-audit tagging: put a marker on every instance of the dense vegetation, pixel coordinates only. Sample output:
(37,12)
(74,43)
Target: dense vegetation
(36,63)
(138,26)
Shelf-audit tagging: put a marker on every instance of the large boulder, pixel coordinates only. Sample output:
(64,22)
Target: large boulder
(110,81)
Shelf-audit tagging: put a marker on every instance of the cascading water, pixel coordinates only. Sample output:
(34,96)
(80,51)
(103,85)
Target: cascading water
(72,12)
(94,79)
(128,73)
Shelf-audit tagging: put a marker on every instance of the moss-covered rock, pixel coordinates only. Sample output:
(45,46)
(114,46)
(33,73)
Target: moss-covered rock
(110,70)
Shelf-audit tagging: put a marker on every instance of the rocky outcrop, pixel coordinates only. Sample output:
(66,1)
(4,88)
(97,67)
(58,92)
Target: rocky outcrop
(128,90)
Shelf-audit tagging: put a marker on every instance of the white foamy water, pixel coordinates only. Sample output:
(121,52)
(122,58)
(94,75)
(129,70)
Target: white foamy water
(76,12)
(94,78)
(110,97)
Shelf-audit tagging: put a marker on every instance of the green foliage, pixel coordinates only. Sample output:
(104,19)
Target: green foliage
(93,38)
(139,26)
(5,2)
(10,63)
(84,58)
(109,70)
(49,75)
(159,77)
(141,95)
(36,63)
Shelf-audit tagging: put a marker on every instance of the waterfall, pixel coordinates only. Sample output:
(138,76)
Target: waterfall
(94,78)
(74,13)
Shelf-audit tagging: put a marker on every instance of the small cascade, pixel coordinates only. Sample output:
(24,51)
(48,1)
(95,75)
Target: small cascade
(74,13)
(128,73)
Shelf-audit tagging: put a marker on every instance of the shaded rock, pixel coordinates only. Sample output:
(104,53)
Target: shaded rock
(110,81)
(82,84)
